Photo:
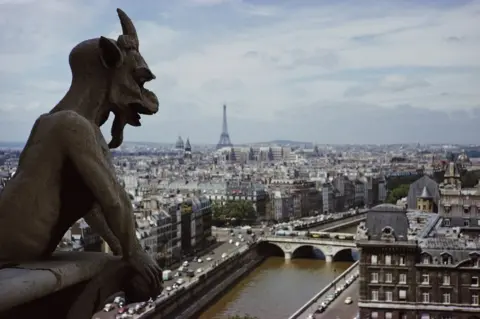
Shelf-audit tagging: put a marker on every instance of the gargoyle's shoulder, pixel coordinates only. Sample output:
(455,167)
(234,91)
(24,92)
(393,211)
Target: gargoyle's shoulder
(70,121)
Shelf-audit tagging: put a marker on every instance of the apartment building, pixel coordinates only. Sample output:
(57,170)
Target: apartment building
(411,267)
(196,224)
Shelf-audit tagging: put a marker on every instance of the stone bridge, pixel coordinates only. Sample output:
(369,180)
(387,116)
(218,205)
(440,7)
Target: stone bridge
(329,247)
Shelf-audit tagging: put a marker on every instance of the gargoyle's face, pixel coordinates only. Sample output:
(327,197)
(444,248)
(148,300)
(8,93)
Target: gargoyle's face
(127,93)
(128,72)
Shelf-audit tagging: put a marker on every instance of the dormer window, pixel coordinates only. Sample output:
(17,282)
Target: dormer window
(426,259)
(446,259)
(475,259)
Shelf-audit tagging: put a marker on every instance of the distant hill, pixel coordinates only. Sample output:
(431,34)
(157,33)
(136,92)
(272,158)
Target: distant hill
(285,143)
(11,145)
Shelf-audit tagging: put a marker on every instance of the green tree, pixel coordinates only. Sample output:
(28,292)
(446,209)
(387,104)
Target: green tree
(398,193)
(218,211)
(240,210)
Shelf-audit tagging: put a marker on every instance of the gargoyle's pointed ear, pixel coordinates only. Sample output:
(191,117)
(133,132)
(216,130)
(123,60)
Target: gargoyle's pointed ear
(110,53)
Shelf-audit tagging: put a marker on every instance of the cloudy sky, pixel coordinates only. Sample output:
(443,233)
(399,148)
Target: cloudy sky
(358,71)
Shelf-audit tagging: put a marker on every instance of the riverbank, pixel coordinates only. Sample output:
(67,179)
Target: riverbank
(204,302)
(205,287)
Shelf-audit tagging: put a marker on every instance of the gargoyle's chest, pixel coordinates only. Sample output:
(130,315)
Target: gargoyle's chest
(104,149)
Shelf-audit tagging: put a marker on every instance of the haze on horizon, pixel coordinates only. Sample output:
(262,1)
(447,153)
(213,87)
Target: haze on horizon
(307,70)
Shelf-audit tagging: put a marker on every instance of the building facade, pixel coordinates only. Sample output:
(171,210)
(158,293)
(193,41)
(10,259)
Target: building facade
(412,267)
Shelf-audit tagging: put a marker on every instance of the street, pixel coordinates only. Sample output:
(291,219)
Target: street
(205,265)
(337,308)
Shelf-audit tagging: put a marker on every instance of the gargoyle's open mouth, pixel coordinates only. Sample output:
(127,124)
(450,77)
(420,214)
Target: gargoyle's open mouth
(141,109)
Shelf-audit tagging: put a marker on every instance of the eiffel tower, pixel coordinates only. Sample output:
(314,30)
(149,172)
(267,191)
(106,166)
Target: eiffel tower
(224,137)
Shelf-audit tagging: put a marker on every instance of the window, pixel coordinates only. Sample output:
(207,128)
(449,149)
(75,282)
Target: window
(388,315)
(446,222)
(475,281)
(388,296)
(374,295)
(374,277)
(388,259)
(402,294)
(466,222)
(425,259)
(425,279)
(402,261)
(374,315)
(446,298)
(373,259)
(402,279)
(426,297)
(446,259)
(475,299)
(402,315)
(388,277)
(446,280)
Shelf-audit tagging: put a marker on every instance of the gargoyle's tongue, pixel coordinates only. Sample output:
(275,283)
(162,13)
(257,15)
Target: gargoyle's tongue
(117,130)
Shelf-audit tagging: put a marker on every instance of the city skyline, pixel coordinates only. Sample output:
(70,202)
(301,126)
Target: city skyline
(396,72)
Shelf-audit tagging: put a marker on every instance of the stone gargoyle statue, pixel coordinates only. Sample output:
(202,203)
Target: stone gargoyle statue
(65,171)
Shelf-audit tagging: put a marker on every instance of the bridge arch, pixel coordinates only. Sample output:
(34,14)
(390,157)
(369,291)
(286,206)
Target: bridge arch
(308,251)
(346,254)
(267,248)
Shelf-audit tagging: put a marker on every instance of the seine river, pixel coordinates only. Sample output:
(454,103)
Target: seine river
(277,288)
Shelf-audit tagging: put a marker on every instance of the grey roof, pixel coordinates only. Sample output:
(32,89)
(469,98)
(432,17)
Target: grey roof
(188,147)
(425,194)
(458,248)
(383,216)
(416,189)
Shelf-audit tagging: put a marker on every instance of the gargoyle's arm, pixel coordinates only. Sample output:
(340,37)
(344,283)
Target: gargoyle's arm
(96,220)
(81,144)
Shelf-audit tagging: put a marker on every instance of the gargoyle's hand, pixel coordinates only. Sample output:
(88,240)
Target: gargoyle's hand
(148,269)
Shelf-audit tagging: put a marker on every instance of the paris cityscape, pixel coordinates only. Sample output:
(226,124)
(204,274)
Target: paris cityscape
(195,202)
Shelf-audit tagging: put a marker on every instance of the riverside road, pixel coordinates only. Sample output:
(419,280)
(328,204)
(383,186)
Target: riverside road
(274,290)
(204,266)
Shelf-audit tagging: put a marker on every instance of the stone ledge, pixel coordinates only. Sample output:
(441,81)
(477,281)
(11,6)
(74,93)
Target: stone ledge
(27,282)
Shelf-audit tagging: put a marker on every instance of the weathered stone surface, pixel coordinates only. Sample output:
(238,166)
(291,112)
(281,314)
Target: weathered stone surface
(32,280)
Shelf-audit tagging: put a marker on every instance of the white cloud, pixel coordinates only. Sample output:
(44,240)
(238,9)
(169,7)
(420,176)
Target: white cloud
(264,61)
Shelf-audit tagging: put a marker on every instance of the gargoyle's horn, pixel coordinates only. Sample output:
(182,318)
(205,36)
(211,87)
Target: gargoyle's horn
(127,26)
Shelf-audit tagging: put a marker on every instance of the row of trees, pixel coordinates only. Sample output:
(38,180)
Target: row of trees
(233,213)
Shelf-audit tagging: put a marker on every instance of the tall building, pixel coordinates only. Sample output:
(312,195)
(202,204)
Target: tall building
(224,136)
(196,224)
